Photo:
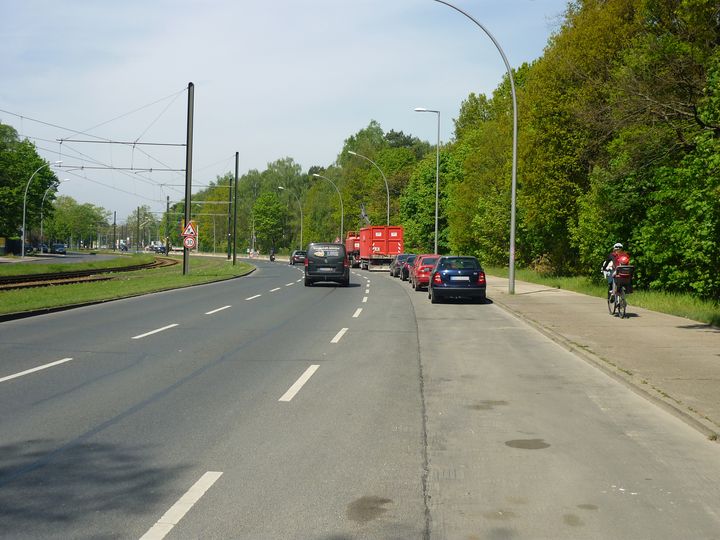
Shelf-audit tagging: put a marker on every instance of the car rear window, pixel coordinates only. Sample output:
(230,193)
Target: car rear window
(428,260)
(460,263)
(327,251)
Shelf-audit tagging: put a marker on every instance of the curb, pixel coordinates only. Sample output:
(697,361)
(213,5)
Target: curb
(695,421)
(44,311)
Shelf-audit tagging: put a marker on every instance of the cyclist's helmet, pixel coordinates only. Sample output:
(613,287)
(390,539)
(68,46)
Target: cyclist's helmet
(618,246)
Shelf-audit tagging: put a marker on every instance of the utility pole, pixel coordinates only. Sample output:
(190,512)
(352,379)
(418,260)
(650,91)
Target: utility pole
(230,202)
(237,157)
(188,171)
(137,238)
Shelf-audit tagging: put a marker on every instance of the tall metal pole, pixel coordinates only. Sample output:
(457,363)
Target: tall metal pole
(114,230)
(167,225)
(188,171)
(342,209)
(137,238)
(387,188)
(437,171)
(22,249)
(234,235)
(511,280)
(229,234)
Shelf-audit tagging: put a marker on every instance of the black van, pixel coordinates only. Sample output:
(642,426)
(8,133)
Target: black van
(327,262)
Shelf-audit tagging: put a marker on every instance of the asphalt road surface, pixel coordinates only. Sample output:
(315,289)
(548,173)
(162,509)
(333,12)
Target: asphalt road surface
(259,408)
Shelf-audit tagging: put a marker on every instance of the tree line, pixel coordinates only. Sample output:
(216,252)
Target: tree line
(619,130)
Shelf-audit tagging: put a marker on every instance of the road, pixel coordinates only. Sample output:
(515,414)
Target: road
(259,408)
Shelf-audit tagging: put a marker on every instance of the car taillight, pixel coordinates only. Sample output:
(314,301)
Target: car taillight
(437,278)
(346,263)
(306,262)
(481,278)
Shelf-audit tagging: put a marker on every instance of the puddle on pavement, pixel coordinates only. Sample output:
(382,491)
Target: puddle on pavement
(486,405)
(366,509)
(527,444)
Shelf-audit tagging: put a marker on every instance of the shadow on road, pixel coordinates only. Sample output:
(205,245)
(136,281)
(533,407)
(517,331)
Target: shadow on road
(43,483)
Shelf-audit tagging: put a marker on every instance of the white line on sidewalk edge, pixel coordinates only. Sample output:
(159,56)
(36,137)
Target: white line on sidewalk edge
(173,516)
(295,388)
(33,370)
(216,310)
(155,331)
(339,335)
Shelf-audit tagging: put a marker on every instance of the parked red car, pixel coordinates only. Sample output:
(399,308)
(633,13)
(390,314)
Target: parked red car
(420,270)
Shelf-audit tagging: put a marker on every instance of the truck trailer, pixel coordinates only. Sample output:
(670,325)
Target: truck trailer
(373,247)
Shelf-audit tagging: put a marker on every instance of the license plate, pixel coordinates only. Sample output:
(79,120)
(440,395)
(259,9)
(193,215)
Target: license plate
(325,269)
(459,278)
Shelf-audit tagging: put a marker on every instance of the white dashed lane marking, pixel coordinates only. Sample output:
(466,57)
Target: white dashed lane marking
(33,370)
(339,335)
(295,388)
(254,297)
(155,331)
(357,313)
(218,309)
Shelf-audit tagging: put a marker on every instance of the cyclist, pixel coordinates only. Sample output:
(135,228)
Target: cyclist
(616,258)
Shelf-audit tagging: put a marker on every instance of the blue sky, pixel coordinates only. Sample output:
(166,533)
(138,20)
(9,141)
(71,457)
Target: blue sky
(286,78)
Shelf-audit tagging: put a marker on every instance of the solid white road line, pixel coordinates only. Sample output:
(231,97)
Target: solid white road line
(339,335)
(364,299)
(216,310)
(253,297)
(357,313)
(155,331)
(275,289)
(295,388)
(173,516)
(33,370)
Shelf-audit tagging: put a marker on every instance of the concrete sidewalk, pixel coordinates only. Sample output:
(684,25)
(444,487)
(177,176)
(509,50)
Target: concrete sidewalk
(672,361)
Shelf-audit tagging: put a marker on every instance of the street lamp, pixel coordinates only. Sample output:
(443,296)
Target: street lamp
(22,249)
(342,210)
(301,213)
(437,170)
(387,189)
(51,186)
(511,280)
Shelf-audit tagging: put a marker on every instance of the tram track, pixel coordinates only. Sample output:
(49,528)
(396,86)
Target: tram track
(27,281)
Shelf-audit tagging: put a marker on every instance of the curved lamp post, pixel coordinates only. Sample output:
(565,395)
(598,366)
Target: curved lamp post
(387,189)
(42,203)
(511,280)
(437,170)
(342,210)
(22,249)
(301,212)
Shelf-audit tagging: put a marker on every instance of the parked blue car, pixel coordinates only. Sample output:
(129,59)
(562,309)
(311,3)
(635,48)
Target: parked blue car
(457,277)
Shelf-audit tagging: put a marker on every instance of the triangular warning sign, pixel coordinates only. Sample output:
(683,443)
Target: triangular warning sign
(190,229)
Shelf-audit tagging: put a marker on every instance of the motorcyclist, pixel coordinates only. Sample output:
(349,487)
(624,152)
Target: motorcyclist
(617,257)
(272,254)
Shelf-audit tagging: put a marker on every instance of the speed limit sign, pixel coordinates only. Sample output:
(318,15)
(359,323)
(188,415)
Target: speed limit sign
(189,242)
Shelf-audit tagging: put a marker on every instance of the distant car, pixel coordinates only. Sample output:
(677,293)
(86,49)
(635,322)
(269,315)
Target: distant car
(457,277)
(158,248)
(58,248)
(420,271)
(327,262)
(405,267)
(43,248)
(396,263)
(297,256)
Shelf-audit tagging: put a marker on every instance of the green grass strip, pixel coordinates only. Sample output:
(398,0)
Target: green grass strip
(202,270)
(50,267)
(680,305)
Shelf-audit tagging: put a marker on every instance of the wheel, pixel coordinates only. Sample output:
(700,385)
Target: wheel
(308,282)
(416,286)
(611,303)
(433,298)
(621,303)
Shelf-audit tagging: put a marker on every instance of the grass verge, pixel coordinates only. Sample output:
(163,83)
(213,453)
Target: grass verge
(32,268)
(680,305)
(202,270)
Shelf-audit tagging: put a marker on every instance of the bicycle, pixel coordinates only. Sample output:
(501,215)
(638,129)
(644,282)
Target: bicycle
(622,286)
